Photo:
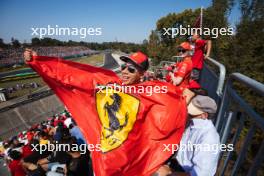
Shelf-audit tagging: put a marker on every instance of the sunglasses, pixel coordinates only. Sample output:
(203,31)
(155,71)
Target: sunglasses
(180,50)
(130,68)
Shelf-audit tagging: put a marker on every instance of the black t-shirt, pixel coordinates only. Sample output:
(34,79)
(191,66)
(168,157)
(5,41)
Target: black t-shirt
(79,166)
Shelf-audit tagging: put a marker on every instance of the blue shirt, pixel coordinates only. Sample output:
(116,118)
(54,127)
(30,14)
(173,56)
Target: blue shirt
(76,132)
(199,148)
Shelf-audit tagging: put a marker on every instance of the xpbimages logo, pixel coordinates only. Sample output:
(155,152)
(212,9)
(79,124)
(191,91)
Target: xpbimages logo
(82,32)
(182,31)
(131,89)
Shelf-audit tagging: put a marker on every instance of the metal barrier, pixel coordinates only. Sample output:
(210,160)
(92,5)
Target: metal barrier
(234,117)
(212,81)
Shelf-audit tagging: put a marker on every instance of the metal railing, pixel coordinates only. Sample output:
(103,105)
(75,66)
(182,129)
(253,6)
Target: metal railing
(213,80)
(221,77)
(235,116)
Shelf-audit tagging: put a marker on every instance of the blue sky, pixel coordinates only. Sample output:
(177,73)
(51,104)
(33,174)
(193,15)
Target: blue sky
(122,20)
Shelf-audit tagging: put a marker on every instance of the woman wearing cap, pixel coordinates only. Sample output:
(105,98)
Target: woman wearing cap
(198,55)
(182,76)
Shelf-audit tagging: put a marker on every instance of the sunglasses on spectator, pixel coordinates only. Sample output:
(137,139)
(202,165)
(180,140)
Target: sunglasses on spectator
(130,68)
(180,50)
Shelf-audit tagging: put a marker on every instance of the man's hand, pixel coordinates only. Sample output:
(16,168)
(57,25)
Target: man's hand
(163,171)
(188,94)
(208,50)
(32,167)
(28,55)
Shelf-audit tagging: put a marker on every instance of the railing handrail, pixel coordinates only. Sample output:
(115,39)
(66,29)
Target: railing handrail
(249,82)
(253,84)
(222,74)
(228,116)
(245,80)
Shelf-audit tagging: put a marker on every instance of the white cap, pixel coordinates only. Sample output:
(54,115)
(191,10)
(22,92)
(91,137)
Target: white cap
(67,122)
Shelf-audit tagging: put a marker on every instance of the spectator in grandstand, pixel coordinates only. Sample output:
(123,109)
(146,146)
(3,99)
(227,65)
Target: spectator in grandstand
(15,165)
(30,134)
(200,131)
(70,162)
(7,148)
(2,149)
(181,76)
(169,70)
(60,131)
(43,138)
(80,164)
(39,162)
(75,131)
(200,144)
(27,150)
(198,57)
(133,68)
(159,75)
(15,143)
(56,158)
(35,155)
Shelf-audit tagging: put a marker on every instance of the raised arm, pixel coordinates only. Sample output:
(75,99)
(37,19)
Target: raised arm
(208,48)
(68,73)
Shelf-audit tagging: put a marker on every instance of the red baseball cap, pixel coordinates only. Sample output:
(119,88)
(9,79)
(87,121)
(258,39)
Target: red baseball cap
(139,59)
(185,45)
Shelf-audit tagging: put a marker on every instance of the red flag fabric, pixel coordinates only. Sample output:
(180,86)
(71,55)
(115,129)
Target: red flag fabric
(131,128)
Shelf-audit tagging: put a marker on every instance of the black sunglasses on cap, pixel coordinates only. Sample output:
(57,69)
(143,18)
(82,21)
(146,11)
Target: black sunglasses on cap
(130,68)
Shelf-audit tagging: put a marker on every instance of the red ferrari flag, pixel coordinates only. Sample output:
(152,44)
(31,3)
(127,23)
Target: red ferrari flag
(132,128)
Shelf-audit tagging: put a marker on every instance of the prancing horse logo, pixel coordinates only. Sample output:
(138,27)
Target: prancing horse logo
(114,123)
(117,112)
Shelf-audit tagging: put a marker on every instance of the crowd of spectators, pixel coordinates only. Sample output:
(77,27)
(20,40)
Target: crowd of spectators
(11,56)
(24,156)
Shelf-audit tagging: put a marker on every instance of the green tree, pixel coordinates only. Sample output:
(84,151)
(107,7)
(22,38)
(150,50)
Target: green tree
(35,41)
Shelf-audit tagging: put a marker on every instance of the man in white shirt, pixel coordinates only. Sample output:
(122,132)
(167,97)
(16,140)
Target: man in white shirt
(200,144)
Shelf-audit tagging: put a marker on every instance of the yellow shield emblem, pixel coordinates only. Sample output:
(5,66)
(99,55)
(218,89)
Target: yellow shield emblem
(117,112)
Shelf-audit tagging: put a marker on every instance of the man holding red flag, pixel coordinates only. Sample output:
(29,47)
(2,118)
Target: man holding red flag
(131,128)
(198,57)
